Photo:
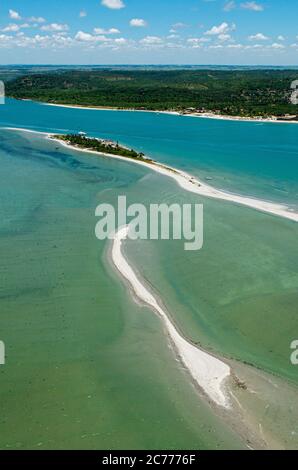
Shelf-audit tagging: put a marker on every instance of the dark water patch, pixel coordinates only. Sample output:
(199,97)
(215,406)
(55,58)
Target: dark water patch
(23,224)
(53,159)
(14,294)
(59,160)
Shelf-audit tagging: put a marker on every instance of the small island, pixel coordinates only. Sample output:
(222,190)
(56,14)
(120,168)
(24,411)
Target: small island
(101,145)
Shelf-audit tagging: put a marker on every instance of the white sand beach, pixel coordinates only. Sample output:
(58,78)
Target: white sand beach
(205,115)
(102,108)
(193,185)
(208,372)
(226,117)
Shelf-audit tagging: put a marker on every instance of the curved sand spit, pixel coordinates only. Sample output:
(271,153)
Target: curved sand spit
(208,372)
(193,185)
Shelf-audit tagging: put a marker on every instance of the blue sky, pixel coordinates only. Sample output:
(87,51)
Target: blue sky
(261,32)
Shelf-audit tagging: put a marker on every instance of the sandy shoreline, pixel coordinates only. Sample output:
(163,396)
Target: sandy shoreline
(193,185)
(102,108)
(188,182)
(208,372)
(207,115)
(225,117)
(213,376)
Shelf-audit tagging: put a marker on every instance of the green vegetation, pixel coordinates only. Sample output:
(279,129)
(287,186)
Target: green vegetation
(102,146)
(246,93)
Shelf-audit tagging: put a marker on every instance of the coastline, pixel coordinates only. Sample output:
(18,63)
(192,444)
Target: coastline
(206,115)
(221,392)
(226,384)
(106,108)
(208,372)
(188,182)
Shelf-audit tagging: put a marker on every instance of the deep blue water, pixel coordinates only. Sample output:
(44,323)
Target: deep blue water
(259,159)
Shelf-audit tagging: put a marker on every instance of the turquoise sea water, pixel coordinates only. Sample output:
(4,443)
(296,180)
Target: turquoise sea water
(265,165)
(86,366)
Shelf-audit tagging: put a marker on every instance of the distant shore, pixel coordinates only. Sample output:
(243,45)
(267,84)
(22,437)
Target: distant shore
(189,182)
(206,115)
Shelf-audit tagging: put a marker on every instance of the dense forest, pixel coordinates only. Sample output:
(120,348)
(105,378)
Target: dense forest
(233,92)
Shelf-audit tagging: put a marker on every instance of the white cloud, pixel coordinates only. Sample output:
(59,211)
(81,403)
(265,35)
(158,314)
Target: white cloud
(82,14)
(106,31)
(276,45)
(281,38)
(255,46)
(14,15)
(223,28)
(120,41)
(138,22)
(91,38)
(235,46)
(151,40)
(93,41)
(40,41)
(113,4)
(261,47)
(201,40)
(224,37)
(179,25)
(5,41)
(11,28)
(84,37)
(258,37)
(36,19)
(197,42)
(4,37)
(55,27)
(254,6)
(230,5)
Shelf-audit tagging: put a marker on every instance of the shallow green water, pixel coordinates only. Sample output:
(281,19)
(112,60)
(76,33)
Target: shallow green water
(238,295)
(257,159)
(86,367)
